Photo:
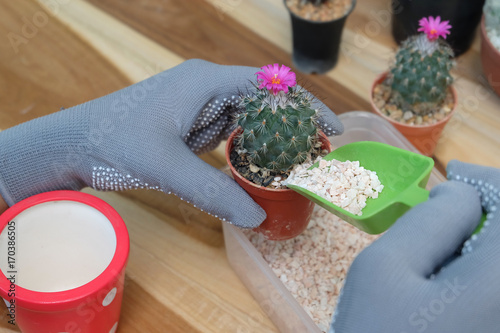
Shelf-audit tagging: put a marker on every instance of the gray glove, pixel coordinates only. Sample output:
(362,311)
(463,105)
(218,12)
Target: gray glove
(144,136)
(398,284)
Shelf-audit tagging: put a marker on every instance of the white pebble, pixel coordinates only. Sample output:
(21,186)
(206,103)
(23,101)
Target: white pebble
(313,265)
(345,184)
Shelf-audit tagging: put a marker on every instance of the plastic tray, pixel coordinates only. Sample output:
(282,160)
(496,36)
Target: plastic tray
(272,295)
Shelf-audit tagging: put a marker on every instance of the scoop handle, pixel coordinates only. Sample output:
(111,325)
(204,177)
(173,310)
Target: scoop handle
(414,196)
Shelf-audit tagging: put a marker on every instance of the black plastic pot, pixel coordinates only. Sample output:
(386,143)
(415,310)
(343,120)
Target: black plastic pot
(464,16)
(316,44)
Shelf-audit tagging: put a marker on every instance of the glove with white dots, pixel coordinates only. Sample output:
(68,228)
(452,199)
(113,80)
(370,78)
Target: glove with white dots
(144,136)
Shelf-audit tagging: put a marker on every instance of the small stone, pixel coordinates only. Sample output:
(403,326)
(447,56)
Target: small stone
(410,121)
(439,116)
(421,113)
(407,115)
(396,115)
(254,168)
(267,181)
(326,11)
(386,95)
(392,108)
(380,104)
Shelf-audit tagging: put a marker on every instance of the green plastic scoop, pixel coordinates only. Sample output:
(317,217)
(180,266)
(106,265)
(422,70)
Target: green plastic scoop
(404,175)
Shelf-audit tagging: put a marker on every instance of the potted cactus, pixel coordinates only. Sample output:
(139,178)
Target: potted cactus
(416,95)
(317,27)
(490,43)
(276,130)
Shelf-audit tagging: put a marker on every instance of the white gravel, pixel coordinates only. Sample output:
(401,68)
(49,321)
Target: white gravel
(313,265)
(345,184)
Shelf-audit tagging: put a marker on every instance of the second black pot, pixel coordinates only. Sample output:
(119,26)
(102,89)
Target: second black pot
(316,44)
(464,17)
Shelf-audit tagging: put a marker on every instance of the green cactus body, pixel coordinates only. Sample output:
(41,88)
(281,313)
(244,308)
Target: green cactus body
(278,131)
(421,75)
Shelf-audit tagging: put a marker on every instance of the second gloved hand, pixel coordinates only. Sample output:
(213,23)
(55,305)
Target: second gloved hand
(397,285)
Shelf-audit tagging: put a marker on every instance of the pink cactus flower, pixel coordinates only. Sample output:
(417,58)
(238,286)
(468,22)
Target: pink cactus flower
(434,28)
(276,79)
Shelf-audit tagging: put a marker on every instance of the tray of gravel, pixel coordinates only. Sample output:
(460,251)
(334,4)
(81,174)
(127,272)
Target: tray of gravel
(297,282)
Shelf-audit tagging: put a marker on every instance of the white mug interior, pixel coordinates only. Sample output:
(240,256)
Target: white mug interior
(59,245)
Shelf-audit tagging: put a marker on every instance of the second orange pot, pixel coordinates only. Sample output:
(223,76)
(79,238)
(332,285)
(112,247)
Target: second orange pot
(490,60)
(288,213)
(423,137)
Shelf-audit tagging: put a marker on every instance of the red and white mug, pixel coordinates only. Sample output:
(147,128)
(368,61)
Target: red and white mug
(62,263)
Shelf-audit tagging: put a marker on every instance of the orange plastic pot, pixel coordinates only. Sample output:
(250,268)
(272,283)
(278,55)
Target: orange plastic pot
(423,137)
(490,59)
(288,213)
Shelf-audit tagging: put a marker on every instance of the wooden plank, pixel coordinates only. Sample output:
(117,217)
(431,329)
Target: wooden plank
(136,56)
(176,282)
(186,278)
(195,29)
(178,278)
(45,67)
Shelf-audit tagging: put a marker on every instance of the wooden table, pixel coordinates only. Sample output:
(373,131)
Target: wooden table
(58,53)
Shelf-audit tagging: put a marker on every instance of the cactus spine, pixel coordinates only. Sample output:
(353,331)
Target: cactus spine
(278,131)
(421,76)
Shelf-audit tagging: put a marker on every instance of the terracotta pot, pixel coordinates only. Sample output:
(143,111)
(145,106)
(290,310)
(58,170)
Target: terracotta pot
(423,137)
(490,59)
(288,213)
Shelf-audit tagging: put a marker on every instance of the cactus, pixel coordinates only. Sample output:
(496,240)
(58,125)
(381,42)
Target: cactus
(420,77)
(278,128)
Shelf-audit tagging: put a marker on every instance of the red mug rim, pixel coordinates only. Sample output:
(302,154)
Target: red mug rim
(66,299)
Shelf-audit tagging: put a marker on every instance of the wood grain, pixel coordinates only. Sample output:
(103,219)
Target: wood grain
(178,278)
(45,67)
(177,282)
(133,54)
(196,29)
(182,277)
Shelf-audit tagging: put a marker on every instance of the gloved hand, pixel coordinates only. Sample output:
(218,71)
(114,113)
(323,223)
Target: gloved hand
(143,136)
(391,288)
